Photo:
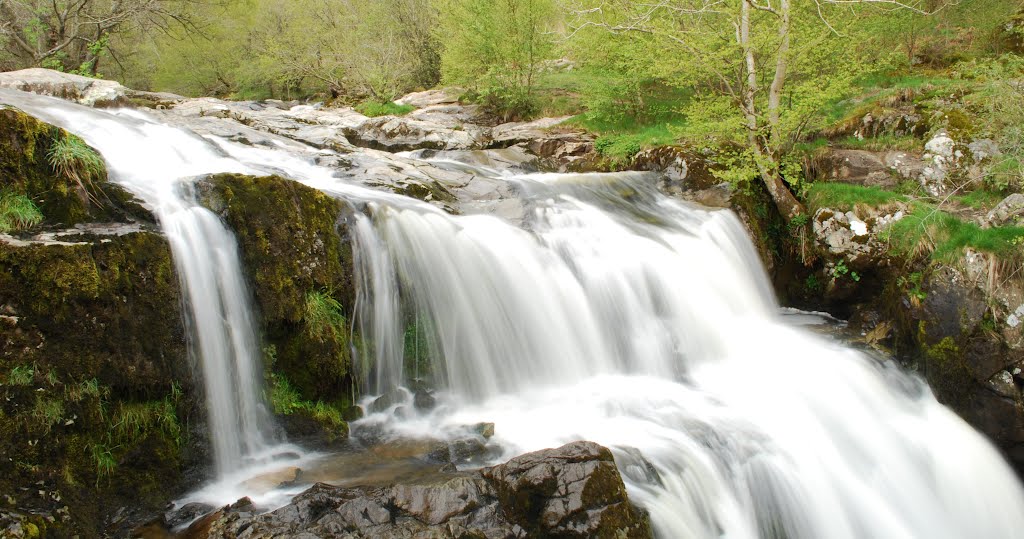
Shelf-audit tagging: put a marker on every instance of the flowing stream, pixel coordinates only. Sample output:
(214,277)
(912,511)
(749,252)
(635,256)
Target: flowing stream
(612,314)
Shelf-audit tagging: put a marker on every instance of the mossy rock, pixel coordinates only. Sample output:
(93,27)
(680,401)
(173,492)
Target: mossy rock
(25,169)
(293,241)
(108,309)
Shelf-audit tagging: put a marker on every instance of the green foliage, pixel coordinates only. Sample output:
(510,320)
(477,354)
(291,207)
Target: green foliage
(21,375)
(929,230)
(496,49)
(285,400)
(912,284)
(324,317)
(376,108)
(844,197)
(253,49)
(103,457)
(18,212)
(841,270)
(73,159)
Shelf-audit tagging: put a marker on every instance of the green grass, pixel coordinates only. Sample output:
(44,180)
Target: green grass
(22,375)
(132,421)
(103,457)
(376,108)
(18,212)
(980,199)
(46,413)
(325,319)
(843,197)
(285,400)
(927,229)
(73,159)
(623,127)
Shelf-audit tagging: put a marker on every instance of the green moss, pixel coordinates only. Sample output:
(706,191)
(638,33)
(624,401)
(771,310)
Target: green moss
(947,372)
(293,245)
(50,167)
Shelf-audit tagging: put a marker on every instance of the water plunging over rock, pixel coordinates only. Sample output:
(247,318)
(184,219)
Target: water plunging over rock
(607,312)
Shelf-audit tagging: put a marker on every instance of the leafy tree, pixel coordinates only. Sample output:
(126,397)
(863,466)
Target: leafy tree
(266,48)
(762,69)
(496,48)
(73,35)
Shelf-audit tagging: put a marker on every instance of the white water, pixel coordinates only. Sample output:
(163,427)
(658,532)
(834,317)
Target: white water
(649,326)
(642,324)
(156,162)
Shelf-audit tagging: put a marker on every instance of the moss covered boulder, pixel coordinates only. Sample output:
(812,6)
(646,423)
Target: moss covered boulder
(66,179)
(294,245)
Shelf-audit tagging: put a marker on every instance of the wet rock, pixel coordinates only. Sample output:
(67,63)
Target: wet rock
(682,169)
(186,514)
(271,480)
(391,398)
(572,491)
(423,400)
(484,429)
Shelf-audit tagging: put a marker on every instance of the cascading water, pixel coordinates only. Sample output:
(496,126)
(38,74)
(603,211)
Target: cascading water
(626,318)
(154,162)
(613,314)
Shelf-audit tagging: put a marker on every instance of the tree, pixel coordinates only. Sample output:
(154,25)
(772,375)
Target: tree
(353,49)
(761,67)
(496,48)
(73,35)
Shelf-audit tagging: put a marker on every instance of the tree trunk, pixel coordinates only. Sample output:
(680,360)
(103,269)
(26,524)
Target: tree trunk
(767,161)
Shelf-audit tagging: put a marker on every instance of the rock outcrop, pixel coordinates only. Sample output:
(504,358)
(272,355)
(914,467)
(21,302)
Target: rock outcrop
(96,395)
(573,491)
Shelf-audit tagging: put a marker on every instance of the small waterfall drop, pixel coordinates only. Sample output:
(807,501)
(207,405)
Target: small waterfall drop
(154,162)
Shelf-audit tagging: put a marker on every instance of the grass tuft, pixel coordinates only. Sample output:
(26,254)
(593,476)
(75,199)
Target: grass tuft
(324,316)
(72,158)
(18,212)
(22,375)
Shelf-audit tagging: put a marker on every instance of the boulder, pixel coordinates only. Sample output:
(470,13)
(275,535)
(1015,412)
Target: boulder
(573,491)
(853,236)
(1010,211)
(84,90)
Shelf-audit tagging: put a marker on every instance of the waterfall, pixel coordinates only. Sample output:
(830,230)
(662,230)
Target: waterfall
(154,162)
(648,325)
(612,314)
